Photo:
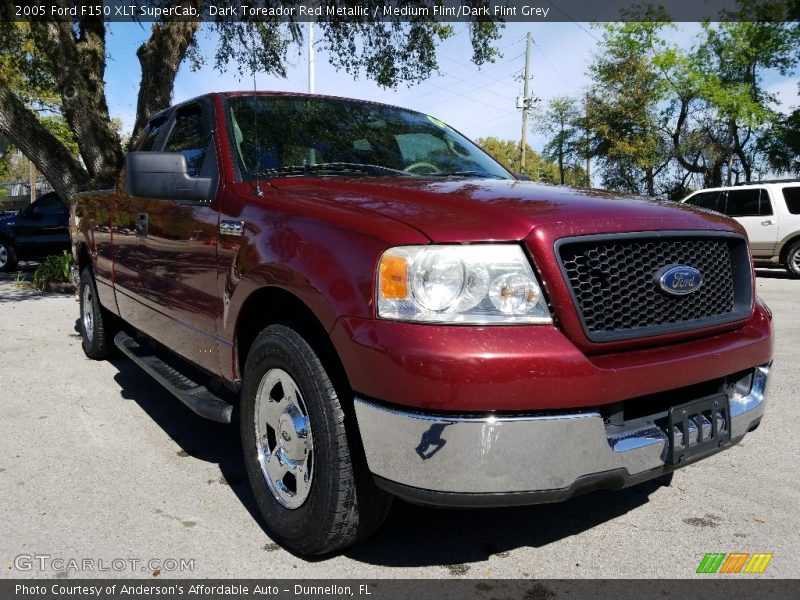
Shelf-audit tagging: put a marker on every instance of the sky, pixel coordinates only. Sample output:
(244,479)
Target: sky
(478,101)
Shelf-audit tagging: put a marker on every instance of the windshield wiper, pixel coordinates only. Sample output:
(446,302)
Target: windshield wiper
(480,174)
(331,168)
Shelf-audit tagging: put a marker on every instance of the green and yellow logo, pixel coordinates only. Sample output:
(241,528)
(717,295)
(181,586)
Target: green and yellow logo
(734,562)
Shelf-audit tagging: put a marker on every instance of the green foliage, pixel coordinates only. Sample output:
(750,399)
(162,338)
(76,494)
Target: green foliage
(660,115)
(560,123)
(507,153)
(388,53)
(20,282)
(24,68)
(622,106)
(780,144)
(53,269)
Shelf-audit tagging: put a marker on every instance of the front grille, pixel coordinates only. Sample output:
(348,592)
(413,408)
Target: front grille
(614,282)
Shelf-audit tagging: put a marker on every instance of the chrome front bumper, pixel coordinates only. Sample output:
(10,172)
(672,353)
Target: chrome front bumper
(440,459)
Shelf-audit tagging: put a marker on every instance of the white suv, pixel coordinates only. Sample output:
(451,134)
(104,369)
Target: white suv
(769,211)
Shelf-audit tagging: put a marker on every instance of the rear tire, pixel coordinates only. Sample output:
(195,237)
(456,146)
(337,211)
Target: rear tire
(94,321)
(792,262)
(8,257)
(303,459)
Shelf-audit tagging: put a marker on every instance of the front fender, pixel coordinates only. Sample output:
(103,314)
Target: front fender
(331,270)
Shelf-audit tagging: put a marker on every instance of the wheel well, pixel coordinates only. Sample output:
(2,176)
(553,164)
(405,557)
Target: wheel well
(272,306)
(788,244)
(84,260)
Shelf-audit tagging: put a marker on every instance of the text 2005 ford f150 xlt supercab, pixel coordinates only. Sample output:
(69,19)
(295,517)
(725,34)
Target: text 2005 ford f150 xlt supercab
(386,311)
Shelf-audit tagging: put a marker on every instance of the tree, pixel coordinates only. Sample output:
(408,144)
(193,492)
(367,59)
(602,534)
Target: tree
(781,144)
(506,152)
(559,122)
(622,108)
(704,108)
(59,67)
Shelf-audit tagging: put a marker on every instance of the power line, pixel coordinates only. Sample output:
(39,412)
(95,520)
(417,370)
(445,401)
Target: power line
(459,94)
(556,71)
(581,27)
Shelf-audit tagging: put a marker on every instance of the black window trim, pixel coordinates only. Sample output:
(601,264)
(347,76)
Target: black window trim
(761,190)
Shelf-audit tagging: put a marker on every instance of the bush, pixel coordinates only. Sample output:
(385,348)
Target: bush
(53,269)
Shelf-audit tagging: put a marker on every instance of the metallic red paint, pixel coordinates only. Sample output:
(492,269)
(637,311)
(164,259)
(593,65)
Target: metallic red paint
(320,238)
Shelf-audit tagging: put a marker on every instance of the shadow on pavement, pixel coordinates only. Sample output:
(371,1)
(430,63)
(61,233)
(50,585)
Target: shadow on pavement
(773,273)
(412,535)
(415,536)
(198,438)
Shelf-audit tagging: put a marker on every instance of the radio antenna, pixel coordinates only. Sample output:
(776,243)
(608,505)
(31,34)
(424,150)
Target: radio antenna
(258,191)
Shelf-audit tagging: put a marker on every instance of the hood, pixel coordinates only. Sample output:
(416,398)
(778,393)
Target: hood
(471,210)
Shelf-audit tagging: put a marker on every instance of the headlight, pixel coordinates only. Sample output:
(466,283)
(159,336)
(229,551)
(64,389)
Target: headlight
(476,284)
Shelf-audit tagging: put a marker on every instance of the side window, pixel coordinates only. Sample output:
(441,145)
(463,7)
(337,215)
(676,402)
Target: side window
(188,137)
(764,205)
(792,197)
(744,203)
(707,200)
(50,204)
(152,134)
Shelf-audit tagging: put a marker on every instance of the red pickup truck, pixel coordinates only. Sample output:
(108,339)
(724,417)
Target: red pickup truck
(386,311)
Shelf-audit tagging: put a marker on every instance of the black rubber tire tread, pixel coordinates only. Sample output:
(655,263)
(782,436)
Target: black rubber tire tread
(11,262)
(344,505)
(789,263)
(99,347)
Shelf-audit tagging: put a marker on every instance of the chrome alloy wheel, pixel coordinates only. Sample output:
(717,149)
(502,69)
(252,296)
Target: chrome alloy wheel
(795,260)
(88,313)
(3,255)
(283,436)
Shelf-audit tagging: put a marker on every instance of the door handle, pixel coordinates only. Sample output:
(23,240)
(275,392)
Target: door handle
(767,222)
(142,224)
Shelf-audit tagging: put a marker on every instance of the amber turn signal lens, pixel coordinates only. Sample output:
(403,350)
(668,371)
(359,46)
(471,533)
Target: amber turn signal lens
(393,277)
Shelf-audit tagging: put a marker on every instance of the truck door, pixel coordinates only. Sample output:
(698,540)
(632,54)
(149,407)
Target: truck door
(177,247)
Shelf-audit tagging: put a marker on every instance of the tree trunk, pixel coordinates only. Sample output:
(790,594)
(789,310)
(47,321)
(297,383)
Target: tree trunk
(49,155)
(78,65)
(160,57)
(650,179)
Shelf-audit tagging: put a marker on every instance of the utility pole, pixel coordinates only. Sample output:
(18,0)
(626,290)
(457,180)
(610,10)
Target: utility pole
(525,102)
(586,139)
(310,57)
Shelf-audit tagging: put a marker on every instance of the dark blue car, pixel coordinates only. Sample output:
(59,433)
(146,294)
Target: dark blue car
(38,230)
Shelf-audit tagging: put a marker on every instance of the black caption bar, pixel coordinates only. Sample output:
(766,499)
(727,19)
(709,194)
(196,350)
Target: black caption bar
(394,589)
(365,11)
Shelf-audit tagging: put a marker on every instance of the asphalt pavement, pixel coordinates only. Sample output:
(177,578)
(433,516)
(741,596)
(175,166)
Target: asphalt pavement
(104,474)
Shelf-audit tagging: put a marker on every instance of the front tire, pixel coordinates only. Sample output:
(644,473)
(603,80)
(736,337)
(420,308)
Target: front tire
(94,321)
(8,257)
(309,480)
(792,263)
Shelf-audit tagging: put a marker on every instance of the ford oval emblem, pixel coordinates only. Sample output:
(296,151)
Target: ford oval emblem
(679,280)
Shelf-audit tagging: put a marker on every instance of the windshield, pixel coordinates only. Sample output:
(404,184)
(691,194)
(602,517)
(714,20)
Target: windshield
(295,136)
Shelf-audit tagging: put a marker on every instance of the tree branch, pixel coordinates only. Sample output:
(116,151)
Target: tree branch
(21,126)
(78,66)
(160,57)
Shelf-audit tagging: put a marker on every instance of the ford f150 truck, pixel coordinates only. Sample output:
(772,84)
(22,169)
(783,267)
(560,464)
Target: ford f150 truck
(386,311)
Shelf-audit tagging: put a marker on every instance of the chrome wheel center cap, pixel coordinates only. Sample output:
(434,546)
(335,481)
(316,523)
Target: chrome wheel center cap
(293,434)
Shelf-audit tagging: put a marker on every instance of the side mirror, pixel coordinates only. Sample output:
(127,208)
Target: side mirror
(164,175)
(522,177)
